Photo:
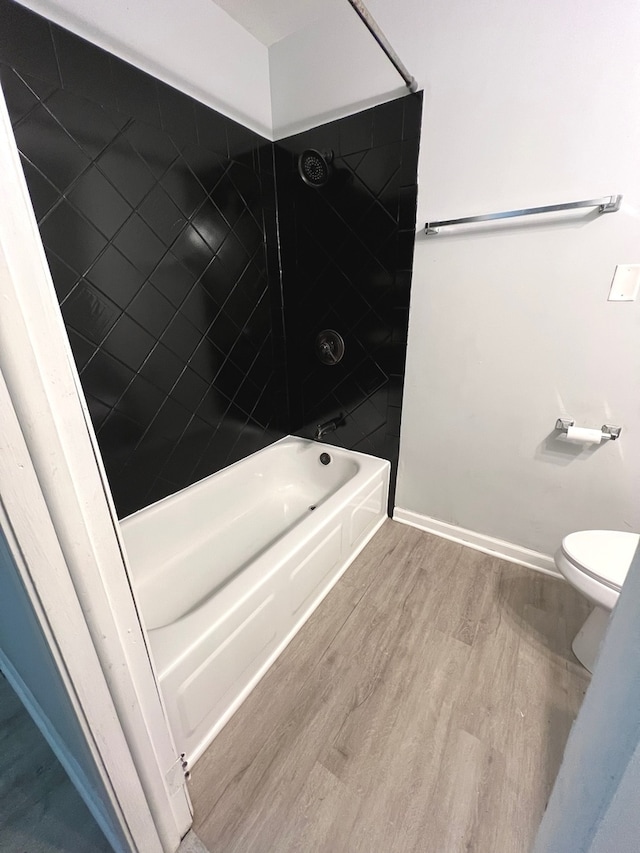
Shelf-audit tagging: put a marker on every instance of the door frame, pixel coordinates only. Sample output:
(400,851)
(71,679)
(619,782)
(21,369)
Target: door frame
(44,392)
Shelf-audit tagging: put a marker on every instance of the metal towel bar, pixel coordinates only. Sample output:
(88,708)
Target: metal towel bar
(607,204)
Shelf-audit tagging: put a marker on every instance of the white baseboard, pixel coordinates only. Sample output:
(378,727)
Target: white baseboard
(479,541)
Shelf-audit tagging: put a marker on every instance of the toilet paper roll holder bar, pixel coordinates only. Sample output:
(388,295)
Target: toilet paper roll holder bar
(609,431)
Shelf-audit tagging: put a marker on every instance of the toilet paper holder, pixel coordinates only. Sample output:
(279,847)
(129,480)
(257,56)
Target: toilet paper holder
(609,431)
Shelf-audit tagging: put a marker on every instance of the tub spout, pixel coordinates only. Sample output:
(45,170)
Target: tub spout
(328,426)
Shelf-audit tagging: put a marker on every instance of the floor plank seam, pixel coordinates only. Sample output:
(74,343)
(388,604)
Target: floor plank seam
(422,721)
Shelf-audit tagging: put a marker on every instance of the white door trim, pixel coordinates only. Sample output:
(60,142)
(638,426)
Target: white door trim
(45,392)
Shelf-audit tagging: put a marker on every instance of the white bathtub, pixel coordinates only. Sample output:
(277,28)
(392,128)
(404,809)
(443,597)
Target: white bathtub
(229,569)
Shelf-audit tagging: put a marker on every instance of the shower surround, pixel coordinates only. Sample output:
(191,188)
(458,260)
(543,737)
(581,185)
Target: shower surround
(347,252)
(191,290)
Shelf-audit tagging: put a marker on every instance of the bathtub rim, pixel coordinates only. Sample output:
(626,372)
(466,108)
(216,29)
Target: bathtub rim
(372,473)
(272,558)
(289,438)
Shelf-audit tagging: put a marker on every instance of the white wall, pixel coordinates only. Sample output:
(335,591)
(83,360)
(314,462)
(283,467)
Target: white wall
(192,45)
(322,71)
(510,326)
(326,70)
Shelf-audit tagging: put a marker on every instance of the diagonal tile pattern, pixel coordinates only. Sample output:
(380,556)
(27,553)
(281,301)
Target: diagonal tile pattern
(347,256)
(191,296)
(150,208)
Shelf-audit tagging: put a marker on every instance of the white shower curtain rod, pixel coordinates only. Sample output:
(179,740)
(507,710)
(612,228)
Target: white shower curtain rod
(379,36)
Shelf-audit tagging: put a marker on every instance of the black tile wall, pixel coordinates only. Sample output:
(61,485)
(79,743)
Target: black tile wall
(152,210)
(195,269)
(347,254)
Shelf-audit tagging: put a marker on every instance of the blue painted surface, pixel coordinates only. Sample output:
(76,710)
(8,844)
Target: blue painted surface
(595,806)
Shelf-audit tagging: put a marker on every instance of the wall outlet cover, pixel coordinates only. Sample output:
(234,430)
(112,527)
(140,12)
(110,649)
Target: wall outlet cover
(624,287)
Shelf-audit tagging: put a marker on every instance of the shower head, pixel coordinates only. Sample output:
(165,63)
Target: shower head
(314,167)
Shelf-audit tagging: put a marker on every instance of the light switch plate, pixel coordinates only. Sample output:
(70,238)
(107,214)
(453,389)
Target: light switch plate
(626,279)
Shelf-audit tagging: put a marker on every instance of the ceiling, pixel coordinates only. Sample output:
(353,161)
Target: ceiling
(278,67)
(270,21)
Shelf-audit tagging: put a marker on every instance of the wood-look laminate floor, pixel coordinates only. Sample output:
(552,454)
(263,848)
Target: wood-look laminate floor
(424,707)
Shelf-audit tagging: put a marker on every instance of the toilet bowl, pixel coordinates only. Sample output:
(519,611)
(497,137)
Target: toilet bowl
(596,563)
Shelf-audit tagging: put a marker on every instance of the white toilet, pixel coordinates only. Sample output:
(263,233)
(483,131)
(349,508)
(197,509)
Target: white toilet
(596,563)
